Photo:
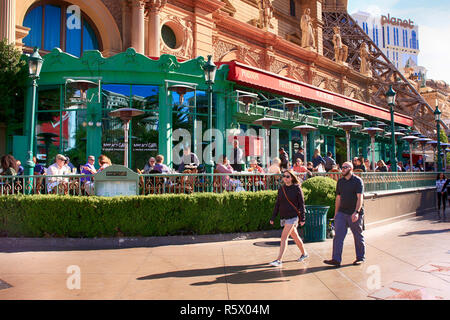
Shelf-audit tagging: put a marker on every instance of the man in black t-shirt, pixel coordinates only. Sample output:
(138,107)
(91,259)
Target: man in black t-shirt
(348,213)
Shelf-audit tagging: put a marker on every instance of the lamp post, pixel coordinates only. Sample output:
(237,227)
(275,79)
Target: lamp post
(210,74)
(35,62)
(348,126)
(437,117)
(390,97)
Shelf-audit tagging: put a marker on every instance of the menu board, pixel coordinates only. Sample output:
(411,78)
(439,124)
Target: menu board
(115,188)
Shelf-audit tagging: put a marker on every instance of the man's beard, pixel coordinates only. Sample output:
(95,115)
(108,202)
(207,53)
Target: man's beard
(349,172)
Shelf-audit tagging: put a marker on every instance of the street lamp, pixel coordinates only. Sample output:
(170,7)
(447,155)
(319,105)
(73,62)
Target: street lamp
(35,62)
(210,74)
(390,97)
(437,117)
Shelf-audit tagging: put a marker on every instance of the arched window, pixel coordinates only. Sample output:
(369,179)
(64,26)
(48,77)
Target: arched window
(57,24)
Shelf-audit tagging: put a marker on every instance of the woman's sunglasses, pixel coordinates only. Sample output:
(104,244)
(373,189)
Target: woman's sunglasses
(286,176)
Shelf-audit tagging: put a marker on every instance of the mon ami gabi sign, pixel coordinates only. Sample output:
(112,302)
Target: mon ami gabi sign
(253,77)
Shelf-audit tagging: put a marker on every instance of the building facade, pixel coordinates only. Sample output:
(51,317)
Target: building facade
(270,49)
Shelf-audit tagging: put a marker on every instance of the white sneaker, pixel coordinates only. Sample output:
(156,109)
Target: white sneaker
(303,257)
(276,263)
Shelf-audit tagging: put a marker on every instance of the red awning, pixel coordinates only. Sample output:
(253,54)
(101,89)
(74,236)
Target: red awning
(258,78)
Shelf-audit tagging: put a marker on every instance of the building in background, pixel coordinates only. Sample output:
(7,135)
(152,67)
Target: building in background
(398,38)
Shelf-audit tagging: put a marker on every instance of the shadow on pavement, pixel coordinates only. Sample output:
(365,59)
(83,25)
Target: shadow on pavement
(241,274)
(15,245)
(424,232)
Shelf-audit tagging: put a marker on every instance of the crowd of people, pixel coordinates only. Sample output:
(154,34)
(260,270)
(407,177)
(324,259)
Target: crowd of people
(231,164)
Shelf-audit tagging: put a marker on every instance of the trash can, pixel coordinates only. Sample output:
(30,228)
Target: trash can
(315,228)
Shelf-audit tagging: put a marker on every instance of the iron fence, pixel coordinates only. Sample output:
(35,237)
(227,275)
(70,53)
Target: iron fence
(83,185)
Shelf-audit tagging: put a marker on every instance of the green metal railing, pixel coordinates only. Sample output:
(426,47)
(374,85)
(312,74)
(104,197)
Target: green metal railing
(82,185)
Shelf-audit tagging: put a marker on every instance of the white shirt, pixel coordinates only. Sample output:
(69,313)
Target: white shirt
(55,170)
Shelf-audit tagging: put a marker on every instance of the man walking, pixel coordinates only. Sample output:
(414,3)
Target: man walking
(348,213)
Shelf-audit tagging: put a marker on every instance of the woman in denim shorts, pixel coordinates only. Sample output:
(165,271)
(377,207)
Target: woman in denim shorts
(291,207)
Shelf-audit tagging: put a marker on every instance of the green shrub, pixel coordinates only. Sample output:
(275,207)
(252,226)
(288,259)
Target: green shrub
(320,191)
(153,215)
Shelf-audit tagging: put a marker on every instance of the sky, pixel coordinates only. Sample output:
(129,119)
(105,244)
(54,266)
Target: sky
(433,19)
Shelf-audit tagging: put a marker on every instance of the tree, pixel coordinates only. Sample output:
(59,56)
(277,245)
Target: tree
(13,82)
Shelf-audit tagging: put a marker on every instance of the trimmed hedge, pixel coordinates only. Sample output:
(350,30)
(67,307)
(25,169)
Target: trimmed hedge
(146,216)
(321,191)
(153,215)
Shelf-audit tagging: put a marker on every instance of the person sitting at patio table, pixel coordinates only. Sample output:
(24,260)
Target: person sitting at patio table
(38,168)
(317,160)
(9,165)
(104,163)
(88,169)
(59,168)
(381,166)
(299,167)
(254,167)
(160,166)
(275,168)
(189,159)
(224,167)
(149,166)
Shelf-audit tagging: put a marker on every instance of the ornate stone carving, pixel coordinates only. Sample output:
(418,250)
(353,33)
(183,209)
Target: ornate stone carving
(318,80)
(340,49)
(188,43)
(265,14)
(182,29)
(308,37)
(221,49)
(155,6)
(365,63)
(276,66)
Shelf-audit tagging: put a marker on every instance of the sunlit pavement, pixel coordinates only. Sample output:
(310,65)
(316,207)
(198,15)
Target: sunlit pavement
(409,259)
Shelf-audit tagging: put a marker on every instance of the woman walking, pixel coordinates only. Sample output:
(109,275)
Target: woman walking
(291,207)
(441,192)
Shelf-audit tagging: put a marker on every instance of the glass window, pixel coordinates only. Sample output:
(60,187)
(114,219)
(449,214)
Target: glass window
(116,96)
(169,37)
(49,30)
(33,20)
(52,30)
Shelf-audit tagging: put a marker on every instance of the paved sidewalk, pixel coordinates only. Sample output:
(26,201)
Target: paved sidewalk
(409,259)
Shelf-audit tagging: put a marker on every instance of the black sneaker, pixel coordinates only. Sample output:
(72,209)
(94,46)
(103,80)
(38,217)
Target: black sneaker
(358,262)
(332,262)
